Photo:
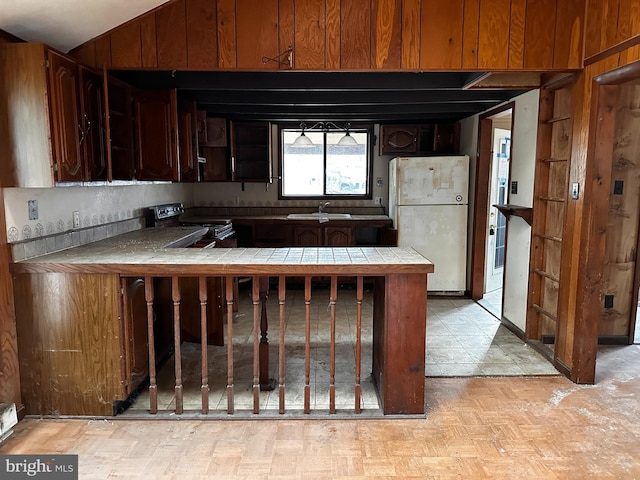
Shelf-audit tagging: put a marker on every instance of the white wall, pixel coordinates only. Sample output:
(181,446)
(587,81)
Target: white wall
(97,205)
(516,279)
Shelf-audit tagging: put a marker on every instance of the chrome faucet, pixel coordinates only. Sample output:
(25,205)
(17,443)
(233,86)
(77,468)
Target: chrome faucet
(322,206)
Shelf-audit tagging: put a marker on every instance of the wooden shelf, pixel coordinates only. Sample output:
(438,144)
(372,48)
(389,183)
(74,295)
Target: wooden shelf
(526,213)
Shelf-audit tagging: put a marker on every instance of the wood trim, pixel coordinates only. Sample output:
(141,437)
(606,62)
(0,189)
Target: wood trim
(625,74)
(481,200)
(617,48)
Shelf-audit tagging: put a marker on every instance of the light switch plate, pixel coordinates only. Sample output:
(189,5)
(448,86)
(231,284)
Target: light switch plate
(33,209)
(76,219)
(575,190)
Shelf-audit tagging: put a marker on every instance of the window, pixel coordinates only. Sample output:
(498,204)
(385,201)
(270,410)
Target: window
(324,168)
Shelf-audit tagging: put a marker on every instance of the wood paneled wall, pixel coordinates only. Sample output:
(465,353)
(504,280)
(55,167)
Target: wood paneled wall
(587,218)
(611,23)
(348,35)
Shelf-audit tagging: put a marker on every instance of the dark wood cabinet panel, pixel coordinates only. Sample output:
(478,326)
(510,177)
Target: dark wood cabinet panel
(156,119)
(442,35)
(257,33)
(422,139)
(136,338)
(65,126)
(307,236)
(337,236)
(92,107)
(251,151)
(188,143)
(398,139)
(215,132)
(215,167)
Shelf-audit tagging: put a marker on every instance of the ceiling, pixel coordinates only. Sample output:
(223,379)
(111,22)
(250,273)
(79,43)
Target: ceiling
(276,96)
(65,24)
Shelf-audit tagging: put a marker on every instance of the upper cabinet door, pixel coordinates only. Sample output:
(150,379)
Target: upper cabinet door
(92,103)
(250,152)
(66,129)
(157,119)
(188,142)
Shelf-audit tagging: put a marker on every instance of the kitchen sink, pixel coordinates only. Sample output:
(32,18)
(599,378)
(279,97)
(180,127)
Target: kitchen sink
(318,216)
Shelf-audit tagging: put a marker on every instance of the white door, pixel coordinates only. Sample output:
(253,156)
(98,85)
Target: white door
(497,223)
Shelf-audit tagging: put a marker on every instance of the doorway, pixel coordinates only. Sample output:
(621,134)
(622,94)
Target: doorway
(493,178)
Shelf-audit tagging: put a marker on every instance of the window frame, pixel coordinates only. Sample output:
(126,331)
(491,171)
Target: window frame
(368,128)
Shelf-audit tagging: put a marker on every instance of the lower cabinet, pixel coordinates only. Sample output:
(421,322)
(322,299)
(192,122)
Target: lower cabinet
(83,338)
(69,343)
(322,236)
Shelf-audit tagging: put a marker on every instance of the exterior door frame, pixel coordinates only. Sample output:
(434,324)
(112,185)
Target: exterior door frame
(481,197)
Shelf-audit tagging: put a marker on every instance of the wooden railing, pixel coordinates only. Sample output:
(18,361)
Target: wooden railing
(260,371)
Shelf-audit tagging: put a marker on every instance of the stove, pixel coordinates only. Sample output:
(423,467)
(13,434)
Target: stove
(164,215)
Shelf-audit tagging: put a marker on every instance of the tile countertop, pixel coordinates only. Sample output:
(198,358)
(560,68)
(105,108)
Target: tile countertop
(157,251)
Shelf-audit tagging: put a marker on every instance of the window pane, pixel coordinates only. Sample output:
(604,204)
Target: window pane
(347,165)
(302,166)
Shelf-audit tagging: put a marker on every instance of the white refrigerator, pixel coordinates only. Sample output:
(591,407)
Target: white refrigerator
(428,202)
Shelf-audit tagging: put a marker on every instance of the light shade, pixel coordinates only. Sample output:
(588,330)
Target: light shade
(303,141)
(347,141)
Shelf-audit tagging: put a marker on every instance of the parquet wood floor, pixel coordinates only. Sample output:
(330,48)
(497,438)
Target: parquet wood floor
(505,428)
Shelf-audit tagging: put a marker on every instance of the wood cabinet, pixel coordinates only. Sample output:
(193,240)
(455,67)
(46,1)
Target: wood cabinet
(119,128)
(157,135)
(188,142)
(423,139)
(92,124)
(251,152)
(136,336)
(66,131)
(212,132)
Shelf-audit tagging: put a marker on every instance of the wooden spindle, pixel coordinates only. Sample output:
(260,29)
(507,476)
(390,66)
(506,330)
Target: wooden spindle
(175,296)
(256,343)
(153,387)
(332,346)
(359,292)
(307,344)
(229,298)
(265,382)
(281,298)
(204,389)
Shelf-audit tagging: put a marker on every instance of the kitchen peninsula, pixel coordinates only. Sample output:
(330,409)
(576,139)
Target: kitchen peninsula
(78,357)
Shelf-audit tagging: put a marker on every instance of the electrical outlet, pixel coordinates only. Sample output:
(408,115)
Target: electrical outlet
(76,219)
(33,209)
(378,200)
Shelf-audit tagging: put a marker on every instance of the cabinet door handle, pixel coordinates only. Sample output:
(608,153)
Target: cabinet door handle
(81,134)
(88,124)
